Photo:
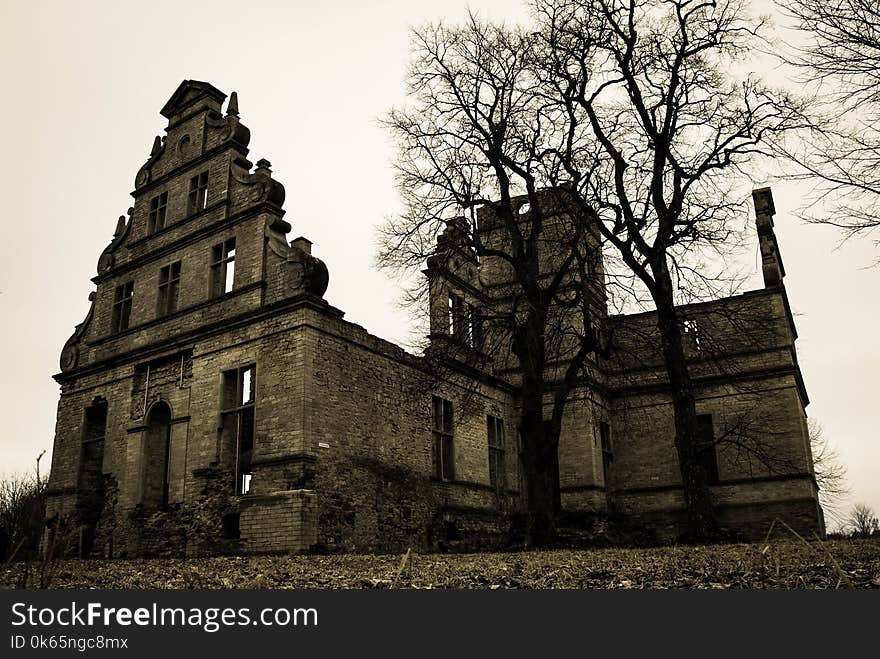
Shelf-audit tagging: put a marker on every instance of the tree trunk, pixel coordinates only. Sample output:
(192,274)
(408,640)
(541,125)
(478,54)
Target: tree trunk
(702,523)
(540,442)
(541,475)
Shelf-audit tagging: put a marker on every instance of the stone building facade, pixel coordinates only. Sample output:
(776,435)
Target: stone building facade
(213,401)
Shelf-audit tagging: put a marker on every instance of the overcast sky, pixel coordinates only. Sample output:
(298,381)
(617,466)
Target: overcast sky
(83,83)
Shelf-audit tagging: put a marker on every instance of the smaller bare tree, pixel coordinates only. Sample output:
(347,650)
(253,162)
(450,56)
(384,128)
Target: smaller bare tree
(862,521)
(830,474)
(21,515)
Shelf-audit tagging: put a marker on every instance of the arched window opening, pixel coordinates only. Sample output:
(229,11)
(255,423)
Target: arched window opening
(157,446)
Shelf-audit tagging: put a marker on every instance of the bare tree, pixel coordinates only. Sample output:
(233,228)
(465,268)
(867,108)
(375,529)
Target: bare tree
(652,85)
(830,473)
(476,187)
(629,111)
(862,521)
(842,152)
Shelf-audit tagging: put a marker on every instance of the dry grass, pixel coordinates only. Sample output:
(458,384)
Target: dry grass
(774,564)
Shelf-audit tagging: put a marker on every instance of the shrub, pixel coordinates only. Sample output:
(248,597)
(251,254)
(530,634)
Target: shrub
(22,514)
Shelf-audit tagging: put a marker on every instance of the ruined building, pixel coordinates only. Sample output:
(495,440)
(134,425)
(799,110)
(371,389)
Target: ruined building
(213,401)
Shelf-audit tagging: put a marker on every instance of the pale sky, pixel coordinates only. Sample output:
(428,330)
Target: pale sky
(83,83)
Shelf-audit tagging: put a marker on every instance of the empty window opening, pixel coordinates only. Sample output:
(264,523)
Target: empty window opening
(198,193)
(90,478)
(607,452)
(464,321)
(169,288)
(156,456)
(86,541)
(520,461)
(495,433)
(443,445)
(706,452)
(476,327)
(692,333)
(232,526)
(454,315)
(158,208)
(95,425)
(239,386)
(247,391)
(122,307)
(222,268)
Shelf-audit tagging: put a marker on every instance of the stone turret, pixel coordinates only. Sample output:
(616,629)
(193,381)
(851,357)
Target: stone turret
(771,260)
(452,273)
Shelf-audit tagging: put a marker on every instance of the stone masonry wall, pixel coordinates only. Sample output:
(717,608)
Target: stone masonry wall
(279,522)
(369,415)
(745,370)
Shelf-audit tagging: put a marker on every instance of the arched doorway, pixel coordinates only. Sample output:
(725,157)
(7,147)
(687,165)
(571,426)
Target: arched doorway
(157,445)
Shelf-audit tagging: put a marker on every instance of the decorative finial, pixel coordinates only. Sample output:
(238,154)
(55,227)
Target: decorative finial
(157,146)
(120,226)
(232,108)
(263,167)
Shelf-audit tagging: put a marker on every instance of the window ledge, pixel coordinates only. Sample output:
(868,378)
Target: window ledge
(461,483)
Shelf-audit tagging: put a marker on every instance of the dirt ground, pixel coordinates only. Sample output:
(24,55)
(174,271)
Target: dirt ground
(775,564)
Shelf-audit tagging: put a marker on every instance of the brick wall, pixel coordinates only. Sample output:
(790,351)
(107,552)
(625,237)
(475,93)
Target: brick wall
(745,370)
(279,522)
(368,413)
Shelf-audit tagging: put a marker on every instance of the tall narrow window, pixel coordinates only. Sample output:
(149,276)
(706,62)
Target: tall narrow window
(198,193)
(476,327)
(607,452)
(495,432)
(691,332)
(464,321)
(456,327)
(122,307)
(520,460)
(90,481)
(158,206)
(706,447)
(222,268)
(444,448)
(239,386)
(156,470)
(169,288)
